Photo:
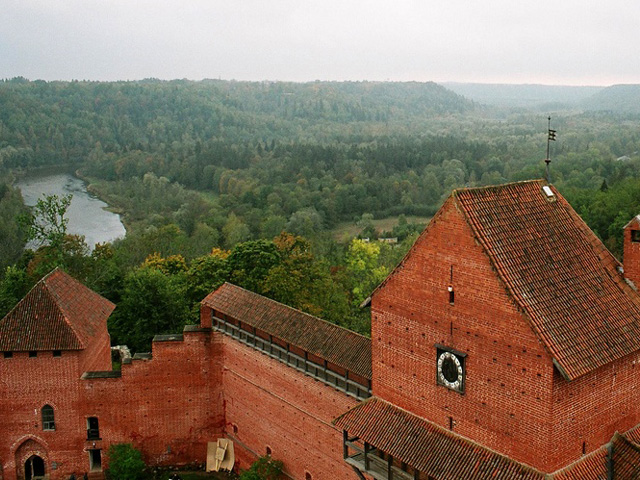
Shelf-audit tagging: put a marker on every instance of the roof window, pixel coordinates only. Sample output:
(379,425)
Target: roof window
(547,191)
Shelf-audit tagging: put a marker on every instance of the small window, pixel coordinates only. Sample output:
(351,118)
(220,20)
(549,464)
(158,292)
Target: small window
(48,421)
(635,235)
(8,354)
(93,428)
(307,476)
(57,353)
(33,354)
(268,450)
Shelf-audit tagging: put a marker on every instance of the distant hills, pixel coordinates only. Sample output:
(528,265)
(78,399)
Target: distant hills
(616,98)
(525,95)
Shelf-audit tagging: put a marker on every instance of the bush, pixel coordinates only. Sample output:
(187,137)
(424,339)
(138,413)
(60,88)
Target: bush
(125,462)
(265,468)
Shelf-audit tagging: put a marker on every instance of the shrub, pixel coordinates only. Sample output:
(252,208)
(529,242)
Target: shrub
(125,462)
(265,468)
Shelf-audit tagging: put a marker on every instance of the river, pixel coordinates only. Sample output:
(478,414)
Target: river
(87,214)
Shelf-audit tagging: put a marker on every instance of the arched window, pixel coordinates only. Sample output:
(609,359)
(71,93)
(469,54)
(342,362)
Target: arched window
(48,422)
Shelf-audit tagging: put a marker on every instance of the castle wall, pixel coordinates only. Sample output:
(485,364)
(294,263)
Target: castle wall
(270,405)
(507,400)
(26,385)
(169,407)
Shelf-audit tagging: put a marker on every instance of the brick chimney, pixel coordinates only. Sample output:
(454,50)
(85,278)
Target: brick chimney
(631,255)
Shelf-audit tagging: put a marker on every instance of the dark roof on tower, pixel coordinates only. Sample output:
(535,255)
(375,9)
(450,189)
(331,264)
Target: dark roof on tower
(568,284)
(338,345)
(59,313)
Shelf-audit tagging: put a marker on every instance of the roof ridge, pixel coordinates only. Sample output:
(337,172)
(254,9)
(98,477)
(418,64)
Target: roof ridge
(56,300)
(327,322)
(500,186)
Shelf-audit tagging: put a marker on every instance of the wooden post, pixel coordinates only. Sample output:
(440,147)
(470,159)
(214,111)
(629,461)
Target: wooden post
(389,464)
(345,447)
(366,455)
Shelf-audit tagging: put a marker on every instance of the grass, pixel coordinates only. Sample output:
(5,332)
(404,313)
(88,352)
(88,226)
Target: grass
(345,231)
(199,475)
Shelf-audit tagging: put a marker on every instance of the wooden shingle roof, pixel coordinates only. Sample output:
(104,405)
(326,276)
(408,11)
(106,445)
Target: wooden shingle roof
(562,276)
(59,313)
(335,344)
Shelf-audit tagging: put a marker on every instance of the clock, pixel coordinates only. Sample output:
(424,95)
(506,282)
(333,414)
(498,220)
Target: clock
(450,369)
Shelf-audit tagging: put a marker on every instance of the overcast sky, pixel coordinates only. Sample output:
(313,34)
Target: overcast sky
(568,42)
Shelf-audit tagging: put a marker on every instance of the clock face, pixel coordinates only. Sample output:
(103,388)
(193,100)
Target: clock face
(450,371)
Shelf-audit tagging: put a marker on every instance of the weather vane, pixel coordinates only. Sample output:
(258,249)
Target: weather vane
(551,137)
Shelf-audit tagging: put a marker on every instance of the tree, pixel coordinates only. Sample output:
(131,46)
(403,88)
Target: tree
(46,223)
(250,262)
(12,237)
(152,303)
(363,267)
(125,462)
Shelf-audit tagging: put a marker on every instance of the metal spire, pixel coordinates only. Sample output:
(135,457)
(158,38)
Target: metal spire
(551,136)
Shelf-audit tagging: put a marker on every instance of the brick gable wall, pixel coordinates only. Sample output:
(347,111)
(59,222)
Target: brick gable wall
(508,396)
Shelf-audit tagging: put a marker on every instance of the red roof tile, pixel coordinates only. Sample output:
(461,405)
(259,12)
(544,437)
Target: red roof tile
(590,467)
(59,313)
(625,457)
(428,447)
(558,271)
(338,345)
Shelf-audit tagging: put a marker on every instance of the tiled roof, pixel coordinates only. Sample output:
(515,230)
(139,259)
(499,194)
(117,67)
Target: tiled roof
(589,467)
(326,340)
(428,447)
(625,458)
(59,313)
(445,455)
(558,271)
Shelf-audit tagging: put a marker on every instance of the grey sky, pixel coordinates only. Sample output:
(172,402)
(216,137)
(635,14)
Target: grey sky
(572,42)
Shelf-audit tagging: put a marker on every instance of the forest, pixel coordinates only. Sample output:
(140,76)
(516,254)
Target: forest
(247,182)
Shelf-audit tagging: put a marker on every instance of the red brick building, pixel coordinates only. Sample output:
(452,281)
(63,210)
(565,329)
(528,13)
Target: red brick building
(504,346)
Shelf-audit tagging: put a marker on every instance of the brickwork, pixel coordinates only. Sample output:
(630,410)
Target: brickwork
(507,402)
(632,251)
(268,404)
(447,294)
(588,410)
(28,384)
(169,407)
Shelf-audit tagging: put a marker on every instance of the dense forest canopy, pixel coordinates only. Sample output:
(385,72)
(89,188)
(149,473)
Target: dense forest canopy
(225,165)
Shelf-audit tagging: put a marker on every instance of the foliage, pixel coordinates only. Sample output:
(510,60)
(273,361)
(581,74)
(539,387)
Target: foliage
(15,285)
(12,236)
(265,468)
(195,166)
(125,462)
(151,303)
(364,269)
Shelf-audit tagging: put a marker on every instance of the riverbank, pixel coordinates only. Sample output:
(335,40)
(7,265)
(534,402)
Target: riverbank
(88,214)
